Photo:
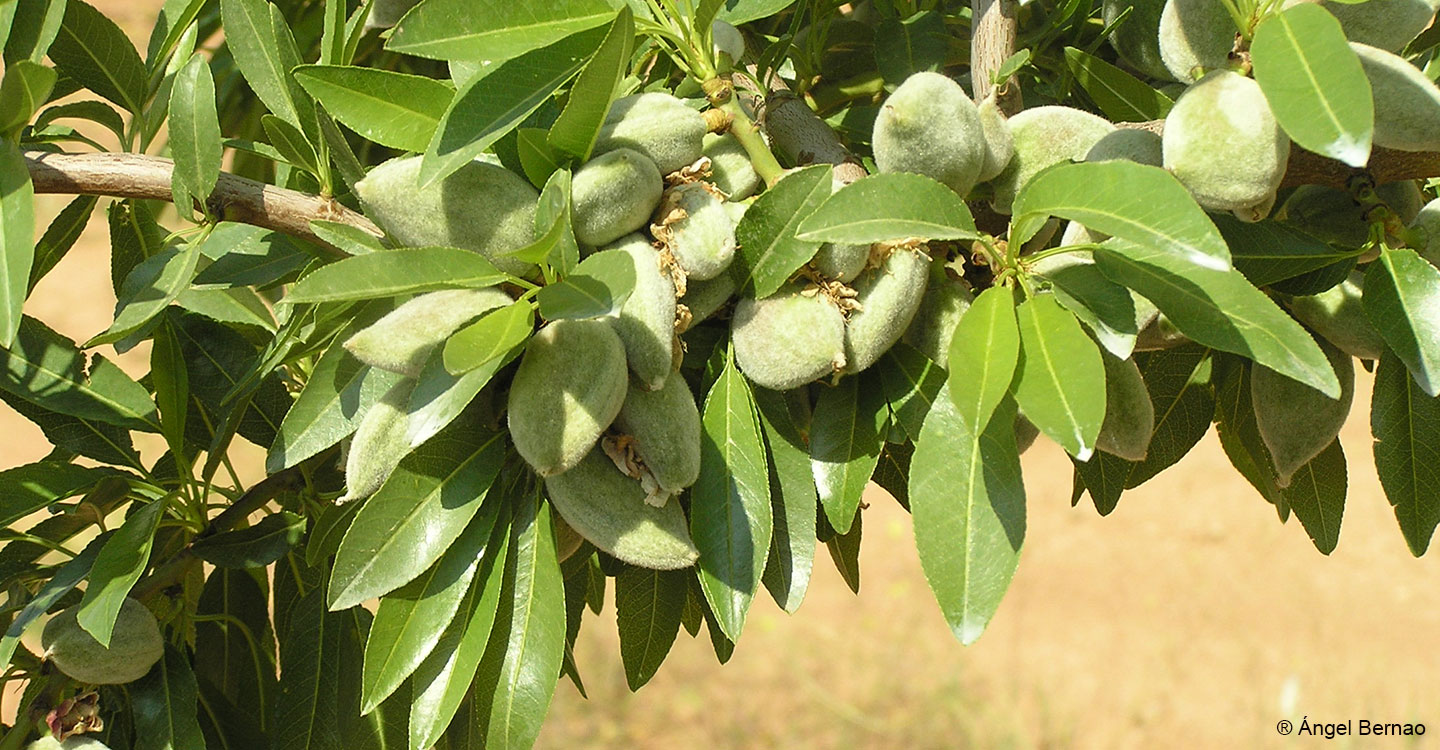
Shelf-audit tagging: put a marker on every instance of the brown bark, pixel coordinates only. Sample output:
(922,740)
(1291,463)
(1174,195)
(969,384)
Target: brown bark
(992,42)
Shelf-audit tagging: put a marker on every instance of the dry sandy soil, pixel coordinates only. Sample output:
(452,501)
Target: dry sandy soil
(1188,618)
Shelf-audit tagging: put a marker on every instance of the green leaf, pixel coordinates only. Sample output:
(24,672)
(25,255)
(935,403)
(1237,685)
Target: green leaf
(884,207)
(253,546)
(443,679)
(1268,252)
(227,650)
(163,705)
(597,287)
(1179,384)
(17,238)
(1405,422)
(521,666)
(910,45)
(575,131)
(91,49)
(1317,495)
(844,551)
(45,368)
(392,109)
(793,501)
(538,159)
(93,110)
(769,252)
(1120,96)
(148,290)
(495,334)
(1136,202)
(1106,308)
(495,30)
(290,143)
(314,697)
(258,37)
(845,446)
(736,12)
(410,620)
(117,568)
(407,525)
(984,353)
(1402,297)
(194,131)
(32,26)
(171,380)
(1314,83)
(26,489)
(910,382)
(224,395)
(61,235)
(647,613)
(968,501)
(26,87)
(63,582)
(487,108)
(351,239)
(91,438)
(1220,309)
(730,517)
(1240,434)
(386,274)
(1060,379)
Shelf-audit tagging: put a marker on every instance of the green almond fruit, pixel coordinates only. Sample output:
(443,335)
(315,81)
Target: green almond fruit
(1338,315)
(945,302)
(570,385)
(705,298)
(1129,144)
(840,262)
(1387,24)
(481,206)
(614,195)
(1042,137)
(930,126)
(788,339)
(608,508)
(1195,37)
(135,646)
(730,167)
(1427,222)
(1137,39)
(999,146)
(698,230)
(889,297)
(646,322)
(404,338)
(1222,142)
(1129,413)
(1297,422)
(1407,102)
(1334,216)
(665,425)
(656,124)
(381,441)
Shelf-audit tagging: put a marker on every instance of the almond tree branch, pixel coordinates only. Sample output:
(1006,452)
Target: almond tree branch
(236,198)
(992,42)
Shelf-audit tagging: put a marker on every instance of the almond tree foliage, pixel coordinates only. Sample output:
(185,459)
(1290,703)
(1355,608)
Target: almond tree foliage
(524,299)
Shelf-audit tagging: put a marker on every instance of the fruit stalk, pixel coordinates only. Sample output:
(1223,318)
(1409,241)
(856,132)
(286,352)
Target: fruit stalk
(748,133)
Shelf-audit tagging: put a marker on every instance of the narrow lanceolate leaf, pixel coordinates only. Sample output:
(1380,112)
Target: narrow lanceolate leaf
(493,29)
(47,369)
(94,51)
(163,705)
(730,516)
(386,274)
(1270,251)
(17,238)
(1106,308)
(1220,309)
(1402,298)
(494,335)
(910,382)
(410,621)
(405,527)
(392,109)
(489,107)
(30,34)
(26,87)
(1136,202)
(769,250)
(1121,96)
(265,52)
(521,666)
(597,287)
(26,489)
(1317,495)
(195,129)
(340,389)
(1180,392)
(121,562)
(969,505)
(253,546)
(845,437)
(1314,83)
(647,611)
(443,679)
(984,353)
(1060,380)
(1240,433)
(1406,424)
(884,207)
(66,578)
(314,699)
(793,498)
(62,234)
(148,290)
(574,132)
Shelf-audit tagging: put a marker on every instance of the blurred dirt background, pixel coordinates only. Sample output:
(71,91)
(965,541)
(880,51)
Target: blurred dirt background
(1188,618)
